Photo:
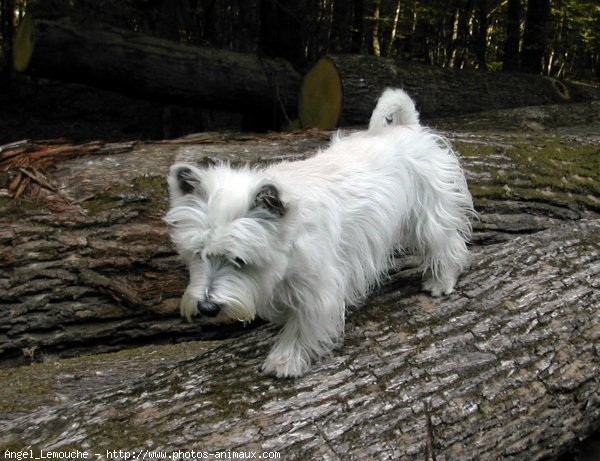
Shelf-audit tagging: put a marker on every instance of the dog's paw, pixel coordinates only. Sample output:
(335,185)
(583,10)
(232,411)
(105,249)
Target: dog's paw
(286,365)
(437,288)
(188,307)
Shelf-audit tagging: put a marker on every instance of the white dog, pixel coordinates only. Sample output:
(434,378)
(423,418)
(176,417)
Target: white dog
(296,242)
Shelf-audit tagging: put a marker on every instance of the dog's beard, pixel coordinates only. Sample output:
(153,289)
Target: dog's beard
(237,290)
(232,310)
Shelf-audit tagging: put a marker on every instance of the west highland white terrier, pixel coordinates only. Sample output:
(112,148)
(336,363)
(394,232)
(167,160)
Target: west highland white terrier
(296,242)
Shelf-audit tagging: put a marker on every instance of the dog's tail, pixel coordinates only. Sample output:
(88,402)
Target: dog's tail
(394,107)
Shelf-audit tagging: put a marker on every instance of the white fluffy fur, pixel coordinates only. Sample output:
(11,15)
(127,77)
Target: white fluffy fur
(394,107)
(396,186)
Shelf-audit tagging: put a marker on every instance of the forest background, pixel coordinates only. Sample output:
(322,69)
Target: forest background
(558,38)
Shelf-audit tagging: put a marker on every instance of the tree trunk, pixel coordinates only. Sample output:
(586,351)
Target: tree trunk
(86,263)
(135,64)
(392,47)
(481,42)
(7,11)
(460,39)
(340,90)
(535,36)
(510,61)
(375,44)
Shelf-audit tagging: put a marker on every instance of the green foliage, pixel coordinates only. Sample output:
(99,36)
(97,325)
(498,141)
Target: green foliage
(577,35)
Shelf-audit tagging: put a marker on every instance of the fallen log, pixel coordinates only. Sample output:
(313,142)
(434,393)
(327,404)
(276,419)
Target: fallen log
(136,64)
(86,263)
(582,118)
(340,90)
(87,266)
(507,367)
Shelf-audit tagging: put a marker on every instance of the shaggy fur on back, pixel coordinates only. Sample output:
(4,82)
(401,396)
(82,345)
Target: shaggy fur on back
(296,242)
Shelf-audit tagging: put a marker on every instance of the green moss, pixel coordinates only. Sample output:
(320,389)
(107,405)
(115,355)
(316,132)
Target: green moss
(147,195)
(561,167)
(6,202)
(23,389)
(150,183)
(21,207)
(537,167)
(469,149)
(30,387)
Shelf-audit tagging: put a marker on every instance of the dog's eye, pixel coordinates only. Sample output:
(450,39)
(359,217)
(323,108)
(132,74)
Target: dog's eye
(238,262)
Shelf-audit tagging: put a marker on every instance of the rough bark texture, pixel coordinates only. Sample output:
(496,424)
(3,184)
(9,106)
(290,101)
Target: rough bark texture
(437,91)
(508,366)
(133,63)
(581,119)
(88,262)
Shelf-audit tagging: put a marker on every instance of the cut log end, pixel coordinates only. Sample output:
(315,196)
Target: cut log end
(343,89)
(321,96)
(561,90)
(24,42)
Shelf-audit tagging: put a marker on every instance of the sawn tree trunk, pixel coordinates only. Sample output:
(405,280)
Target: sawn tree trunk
(340,90)
(136,64)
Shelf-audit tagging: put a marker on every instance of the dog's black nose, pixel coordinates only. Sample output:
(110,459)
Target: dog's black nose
(208,308)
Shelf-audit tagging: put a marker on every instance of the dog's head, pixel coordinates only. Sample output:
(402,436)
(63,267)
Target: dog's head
(231,228)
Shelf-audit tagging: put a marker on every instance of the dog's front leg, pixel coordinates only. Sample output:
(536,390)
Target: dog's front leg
(289,357)
(299,342)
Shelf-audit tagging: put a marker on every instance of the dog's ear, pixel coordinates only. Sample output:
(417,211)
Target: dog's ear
(183,180)
(267,197)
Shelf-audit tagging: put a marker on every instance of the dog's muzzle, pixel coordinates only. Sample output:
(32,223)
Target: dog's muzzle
(209,308)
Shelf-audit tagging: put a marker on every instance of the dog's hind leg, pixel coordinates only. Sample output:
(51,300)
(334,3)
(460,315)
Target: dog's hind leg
(444,258)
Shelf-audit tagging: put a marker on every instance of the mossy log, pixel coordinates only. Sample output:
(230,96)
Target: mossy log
(508,366)
(83,51)
(340,90)
(87,266)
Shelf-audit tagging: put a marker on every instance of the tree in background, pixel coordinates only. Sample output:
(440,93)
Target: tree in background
(535,36)
(7,11)
(510,60)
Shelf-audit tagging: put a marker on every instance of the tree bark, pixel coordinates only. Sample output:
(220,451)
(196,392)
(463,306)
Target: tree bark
(340,90)
(508,366)
(375,43)
(481,41)
(85,258)
(136,64)
(535,36)
(510,60)
(7,11)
